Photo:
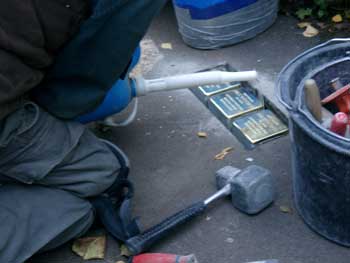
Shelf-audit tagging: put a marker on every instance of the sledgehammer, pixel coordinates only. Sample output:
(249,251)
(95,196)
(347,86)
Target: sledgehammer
(251,191)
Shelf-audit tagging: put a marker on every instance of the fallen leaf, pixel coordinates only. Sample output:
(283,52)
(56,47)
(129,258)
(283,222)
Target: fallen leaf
(310,31)
(124,251)
(286,209)
(90,247)
(337,18)
(223,153)
(228,149)
(202,134)
(166,46)
(303,24)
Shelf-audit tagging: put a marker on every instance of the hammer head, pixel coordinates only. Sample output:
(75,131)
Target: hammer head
(252,189)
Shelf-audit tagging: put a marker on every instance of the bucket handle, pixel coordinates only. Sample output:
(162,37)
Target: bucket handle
(289,104)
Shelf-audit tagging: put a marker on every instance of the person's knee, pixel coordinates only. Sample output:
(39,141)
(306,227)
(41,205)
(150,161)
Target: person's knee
(106,179)
(102,179)
(89,170)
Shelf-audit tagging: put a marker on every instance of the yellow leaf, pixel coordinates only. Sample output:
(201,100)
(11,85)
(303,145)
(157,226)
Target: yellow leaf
(310,31)
(166,46)
(223,153)
(303,24)
(286,209)
(228,149)
(337,18)
(90,247)
(124,251)
(202,134)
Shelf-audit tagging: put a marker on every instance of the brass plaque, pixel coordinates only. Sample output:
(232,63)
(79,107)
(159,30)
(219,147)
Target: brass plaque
(236,102)
(210,90)
(204,92)
(260,125)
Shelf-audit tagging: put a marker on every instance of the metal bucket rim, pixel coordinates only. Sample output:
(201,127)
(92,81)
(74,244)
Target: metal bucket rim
(278,86)
(307,114)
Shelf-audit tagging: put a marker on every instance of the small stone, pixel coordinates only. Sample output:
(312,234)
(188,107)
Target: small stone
(249,160)
(68,6)
(230,240)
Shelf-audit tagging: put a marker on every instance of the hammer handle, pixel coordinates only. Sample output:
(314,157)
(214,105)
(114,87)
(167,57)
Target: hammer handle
(140,243)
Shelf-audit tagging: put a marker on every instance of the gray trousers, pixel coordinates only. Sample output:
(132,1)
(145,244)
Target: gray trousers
(47,169)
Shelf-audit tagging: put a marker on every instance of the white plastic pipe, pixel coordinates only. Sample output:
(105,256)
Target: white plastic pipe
(144,86)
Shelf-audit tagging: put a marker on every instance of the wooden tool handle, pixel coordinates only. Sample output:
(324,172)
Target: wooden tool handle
(313,99)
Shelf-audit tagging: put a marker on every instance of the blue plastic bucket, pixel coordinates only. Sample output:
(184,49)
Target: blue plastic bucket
(212,8)
(212,24)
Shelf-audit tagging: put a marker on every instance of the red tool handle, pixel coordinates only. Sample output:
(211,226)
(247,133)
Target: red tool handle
(340,123)
(163,258)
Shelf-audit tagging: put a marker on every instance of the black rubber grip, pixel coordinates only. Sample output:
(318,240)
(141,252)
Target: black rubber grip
(140,243)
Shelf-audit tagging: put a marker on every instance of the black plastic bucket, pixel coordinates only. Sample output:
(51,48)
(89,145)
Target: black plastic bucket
(320,159)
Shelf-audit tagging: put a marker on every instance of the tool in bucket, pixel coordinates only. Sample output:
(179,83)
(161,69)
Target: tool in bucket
(313,102)
(337,123)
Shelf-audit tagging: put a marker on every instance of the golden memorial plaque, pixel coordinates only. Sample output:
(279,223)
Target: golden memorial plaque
(260,126)
(234,103)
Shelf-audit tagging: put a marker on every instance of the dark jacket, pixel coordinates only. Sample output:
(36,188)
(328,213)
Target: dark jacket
(89,65)
(32,32)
